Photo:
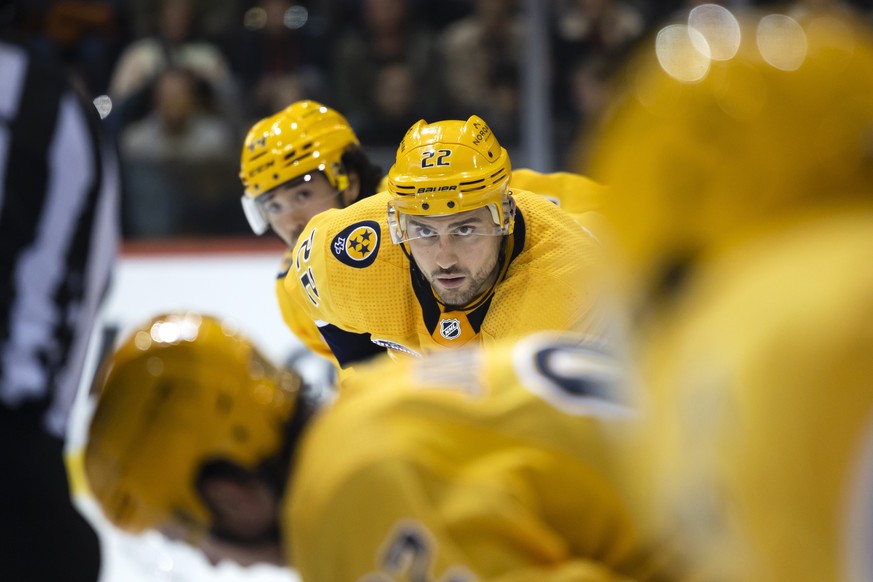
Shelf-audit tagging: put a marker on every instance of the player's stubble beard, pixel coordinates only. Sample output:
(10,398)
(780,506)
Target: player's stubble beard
(474,285)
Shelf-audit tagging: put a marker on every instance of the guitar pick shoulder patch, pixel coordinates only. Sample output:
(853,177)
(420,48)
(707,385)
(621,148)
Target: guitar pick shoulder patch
(358,244)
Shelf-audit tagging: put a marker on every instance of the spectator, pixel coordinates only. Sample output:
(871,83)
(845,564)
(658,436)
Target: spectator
(179,127)
(395,98)
(279,47)
(174,44)
(481,56)
(173,158)
(389,33)
(596,30)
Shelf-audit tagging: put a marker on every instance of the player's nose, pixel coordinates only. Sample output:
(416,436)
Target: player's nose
(446,254)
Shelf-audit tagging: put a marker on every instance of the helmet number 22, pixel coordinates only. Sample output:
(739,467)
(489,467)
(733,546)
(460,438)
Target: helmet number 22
(433,158)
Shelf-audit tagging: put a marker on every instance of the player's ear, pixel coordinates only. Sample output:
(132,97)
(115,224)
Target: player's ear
(350,194)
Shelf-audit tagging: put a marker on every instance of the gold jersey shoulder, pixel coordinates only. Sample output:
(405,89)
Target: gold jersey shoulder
(348,274)
(473,461)
(574,193)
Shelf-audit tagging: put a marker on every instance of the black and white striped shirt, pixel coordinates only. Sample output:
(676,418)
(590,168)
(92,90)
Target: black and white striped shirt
(59,191)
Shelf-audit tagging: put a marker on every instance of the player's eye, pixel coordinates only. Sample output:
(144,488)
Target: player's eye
(271,206)
(301,196)
(464,230)
(421,231)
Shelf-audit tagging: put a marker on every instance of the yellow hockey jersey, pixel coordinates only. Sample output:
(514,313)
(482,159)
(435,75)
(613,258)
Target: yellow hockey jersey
(574,193)
(365,295)
(467,465)
(760,452)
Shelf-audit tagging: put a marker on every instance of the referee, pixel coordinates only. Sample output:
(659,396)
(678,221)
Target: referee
(58,235)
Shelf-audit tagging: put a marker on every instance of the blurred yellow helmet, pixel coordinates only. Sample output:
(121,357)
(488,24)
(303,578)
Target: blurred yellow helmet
(181,391)
(728,120)
(449,167)
(304,137)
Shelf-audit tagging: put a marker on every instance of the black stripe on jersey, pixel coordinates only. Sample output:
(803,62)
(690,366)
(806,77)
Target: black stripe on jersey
(52,198)
(26,171)
(30,131)
(349,348)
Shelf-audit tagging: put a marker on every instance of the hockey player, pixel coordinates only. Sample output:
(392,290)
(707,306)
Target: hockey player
(307,159)
(740,166)
(444,468)
(295,164)
(450,255)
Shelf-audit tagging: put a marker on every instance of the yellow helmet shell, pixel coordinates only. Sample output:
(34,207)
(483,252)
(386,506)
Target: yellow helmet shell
(448,167)
(181,391)
(302,138)
(725,121)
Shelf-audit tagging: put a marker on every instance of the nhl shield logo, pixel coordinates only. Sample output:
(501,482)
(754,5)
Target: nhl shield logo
(450,328)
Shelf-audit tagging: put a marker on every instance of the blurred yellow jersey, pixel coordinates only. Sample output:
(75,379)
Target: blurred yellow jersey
(467,465)
(574,193)
(358,287)
(761,383)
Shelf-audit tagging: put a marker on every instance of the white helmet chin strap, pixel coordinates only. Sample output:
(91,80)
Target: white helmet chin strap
(254,215)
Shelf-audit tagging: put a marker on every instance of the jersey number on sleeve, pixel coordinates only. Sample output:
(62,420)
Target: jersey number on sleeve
(307,280)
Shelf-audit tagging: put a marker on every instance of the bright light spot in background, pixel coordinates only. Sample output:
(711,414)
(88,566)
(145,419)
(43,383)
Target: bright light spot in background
(255,19)
(683,53)
(103,104)
(719,27)
(782,42)
(296,17)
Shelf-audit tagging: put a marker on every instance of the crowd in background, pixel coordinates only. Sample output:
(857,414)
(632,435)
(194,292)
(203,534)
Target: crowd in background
(186,78)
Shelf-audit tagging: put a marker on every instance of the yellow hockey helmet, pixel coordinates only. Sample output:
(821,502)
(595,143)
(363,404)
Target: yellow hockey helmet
(304,137)
(728,120)
(449,167)
(181,391)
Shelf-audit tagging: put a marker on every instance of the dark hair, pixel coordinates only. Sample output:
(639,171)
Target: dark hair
(356,160)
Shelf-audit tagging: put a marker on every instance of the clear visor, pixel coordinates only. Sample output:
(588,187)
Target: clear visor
(255,215)
(465,227)
(259,209)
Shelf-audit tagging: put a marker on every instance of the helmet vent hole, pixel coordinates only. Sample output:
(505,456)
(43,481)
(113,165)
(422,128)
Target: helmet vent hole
(490,154)
(240,433)
(426,206)
(451,204)
(223,403)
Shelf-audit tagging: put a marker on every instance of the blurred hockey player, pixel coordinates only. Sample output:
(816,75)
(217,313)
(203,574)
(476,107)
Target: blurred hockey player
(451,255)
(461,466)
(740,164)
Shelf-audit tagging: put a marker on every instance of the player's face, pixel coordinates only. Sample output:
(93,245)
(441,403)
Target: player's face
(457,253)
(247,514)
(289,208)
